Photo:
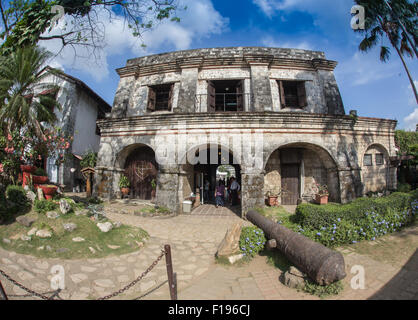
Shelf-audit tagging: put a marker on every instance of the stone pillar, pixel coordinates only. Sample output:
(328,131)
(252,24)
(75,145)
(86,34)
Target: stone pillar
(103,179)
(168,188)
(106,182)
(252,195)
(188,90)
(122,96)
(260,87)
(350,184)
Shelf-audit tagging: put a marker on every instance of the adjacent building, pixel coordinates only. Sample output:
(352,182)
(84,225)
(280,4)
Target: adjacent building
(81,107)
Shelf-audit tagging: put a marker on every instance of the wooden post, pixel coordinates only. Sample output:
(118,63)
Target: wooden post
(88,186)
(3,294)
(171,277)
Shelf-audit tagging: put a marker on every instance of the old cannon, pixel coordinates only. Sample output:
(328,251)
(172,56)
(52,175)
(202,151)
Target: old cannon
(321,264)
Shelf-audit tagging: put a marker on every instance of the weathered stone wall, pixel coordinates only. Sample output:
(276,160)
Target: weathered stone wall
(375,177)
(260,68)
(334,146)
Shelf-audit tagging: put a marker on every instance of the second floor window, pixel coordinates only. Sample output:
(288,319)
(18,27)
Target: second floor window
(292,94)
(160,97)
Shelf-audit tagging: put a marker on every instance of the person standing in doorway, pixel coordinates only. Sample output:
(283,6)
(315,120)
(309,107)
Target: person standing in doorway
(219,194)
(235,188)
(206,188)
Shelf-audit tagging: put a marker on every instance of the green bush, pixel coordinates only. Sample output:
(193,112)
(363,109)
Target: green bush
(44,206)
(323,291)
(404,187)
(251,241)
(362,219)
(17,195)
(40,172)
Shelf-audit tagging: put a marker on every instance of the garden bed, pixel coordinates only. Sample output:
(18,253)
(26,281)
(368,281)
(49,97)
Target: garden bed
(119,240)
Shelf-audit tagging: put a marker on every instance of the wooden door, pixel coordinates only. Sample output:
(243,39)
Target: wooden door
(240,98)
(290,184)
(211,97)
(141,168)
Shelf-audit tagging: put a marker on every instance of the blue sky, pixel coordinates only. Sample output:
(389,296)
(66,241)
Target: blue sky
(373,88)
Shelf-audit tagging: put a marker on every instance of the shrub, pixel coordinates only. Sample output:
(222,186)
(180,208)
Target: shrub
(89,159)
(251,241)
(323,291)
(404,187)
(40,172)
(362,219)
(17,195)
(44,206)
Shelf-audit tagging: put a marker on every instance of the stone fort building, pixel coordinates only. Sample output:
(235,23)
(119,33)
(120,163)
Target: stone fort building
(275,115)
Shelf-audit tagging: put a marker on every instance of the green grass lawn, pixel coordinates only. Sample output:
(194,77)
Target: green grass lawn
(126,238)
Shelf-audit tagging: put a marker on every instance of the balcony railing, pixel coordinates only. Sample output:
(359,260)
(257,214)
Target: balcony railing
(223,102)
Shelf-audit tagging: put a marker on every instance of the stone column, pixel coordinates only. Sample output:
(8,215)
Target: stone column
(350,184)
(252,194)
(261,89)
(188,90)
(168,188)
(103,179)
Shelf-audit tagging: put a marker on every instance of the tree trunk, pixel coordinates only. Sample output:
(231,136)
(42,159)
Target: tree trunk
(321,264)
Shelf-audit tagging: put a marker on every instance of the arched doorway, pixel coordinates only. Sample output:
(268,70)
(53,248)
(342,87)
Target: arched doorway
(204,171)
(295,169)
(141,169)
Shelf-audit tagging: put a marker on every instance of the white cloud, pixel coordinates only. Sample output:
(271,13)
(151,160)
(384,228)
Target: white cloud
(270,42)
(326,14)
(365,68)
(411,121)
(198,21)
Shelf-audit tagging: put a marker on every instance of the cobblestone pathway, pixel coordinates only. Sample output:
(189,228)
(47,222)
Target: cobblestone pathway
(194,240)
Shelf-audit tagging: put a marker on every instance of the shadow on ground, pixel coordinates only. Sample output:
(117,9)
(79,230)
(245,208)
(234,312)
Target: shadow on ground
(404,285)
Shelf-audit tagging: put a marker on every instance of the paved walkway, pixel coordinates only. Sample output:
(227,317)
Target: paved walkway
(194,239)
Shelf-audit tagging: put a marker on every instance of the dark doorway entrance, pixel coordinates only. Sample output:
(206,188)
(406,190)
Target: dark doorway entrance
(208,172)
(141,169)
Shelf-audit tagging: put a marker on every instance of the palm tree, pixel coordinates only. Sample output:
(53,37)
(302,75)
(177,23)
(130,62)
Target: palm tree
(382,20)
(23,102)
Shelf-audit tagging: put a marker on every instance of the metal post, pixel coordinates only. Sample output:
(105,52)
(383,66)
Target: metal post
(171,279)
(3,294)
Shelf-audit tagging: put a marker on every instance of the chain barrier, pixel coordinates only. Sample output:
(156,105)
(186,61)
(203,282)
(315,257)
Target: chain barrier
(31,292)
(116,293)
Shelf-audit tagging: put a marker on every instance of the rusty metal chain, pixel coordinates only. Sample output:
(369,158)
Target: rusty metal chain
(116,293)
(21,286)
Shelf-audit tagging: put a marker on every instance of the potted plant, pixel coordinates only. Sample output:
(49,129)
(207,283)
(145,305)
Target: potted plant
(322,194)
(48,190)
(272,198)
(154,188)
(124,185)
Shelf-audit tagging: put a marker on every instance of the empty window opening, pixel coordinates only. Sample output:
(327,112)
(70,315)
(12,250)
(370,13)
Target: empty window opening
(379,159)
(225,95)
(367,160)
(292,94)
(160,97)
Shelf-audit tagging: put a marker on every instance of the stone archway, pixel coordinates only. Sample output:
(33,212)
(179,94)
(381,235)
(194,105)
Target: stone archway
(200,164)
(140,166)
(294,169)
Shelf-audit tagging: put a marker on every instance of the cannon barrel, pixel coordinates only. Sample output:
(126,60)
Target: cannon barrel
(321,264)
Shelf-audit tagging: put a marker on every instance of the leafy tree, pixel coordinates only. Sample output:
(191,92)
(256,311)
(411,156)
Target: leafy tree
(22,84)
(406,141)
(25,22)
(383,22)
